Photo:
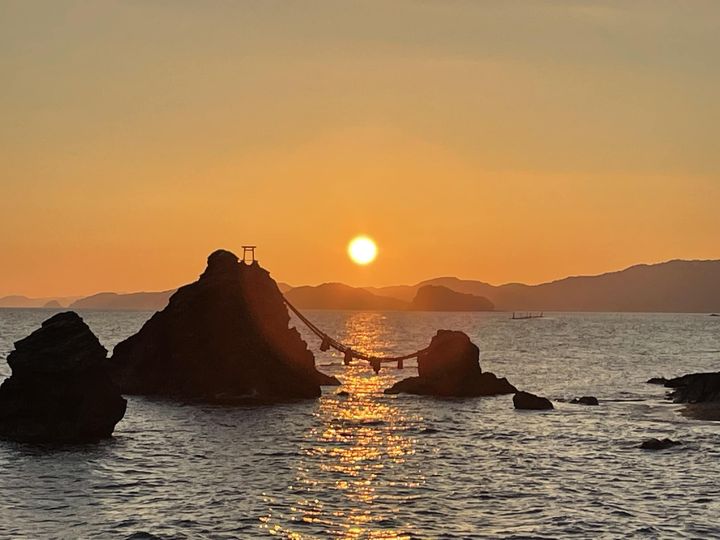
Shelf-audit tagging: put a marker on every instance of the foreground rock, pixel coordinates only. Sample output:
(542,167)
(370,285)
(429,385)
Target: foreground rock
(59,390)
(585,400)
(528,401)
(658,444)
(451,368)
(224,338)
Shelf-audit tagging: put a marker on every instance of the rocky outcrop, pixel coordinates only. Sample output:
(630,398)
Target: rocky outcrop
(695,388)
(692,388)
(585,400)
(450,367)
(528,401)
(59,390)
(439,298)
(224,338)
(658,444)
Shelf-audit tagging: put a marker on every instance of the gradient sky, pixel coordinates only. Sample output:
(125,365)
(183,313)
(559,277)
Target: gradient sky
(497,140)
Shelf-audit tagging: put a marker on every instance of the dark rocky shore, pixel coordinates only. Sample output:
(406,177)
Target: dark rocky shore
(60,390)
(701,391)
(451,368)
(223,338)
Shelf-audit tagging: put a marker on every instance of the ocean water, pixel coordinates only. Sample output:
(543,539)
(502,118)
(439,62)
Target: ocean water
(377,466)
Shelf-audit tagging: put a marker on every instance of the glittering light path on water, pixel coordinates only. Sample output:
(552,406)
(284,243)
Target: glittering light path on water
(354,448)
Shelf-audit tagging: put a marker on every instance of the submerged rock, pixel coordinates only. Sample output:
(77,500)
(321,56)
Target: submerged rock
(658,444)
(526,400)
(60,389)
(585,400)
(225,338)
(451,368)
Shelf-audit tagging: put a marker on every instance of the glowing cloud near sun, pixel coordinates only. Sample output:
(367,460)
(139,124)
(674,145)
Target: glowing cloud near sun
(362,250)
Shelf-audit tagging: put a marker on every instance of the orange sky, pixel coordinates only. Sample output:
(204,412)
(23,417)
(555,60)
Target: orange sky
(502,141)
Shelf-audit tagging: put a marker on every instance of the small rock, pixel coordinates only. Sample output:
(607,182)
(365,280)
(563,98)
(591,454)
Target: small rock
(343,393)
(450,367)
(526,400)
(585,400)
(658,444)
(657,380)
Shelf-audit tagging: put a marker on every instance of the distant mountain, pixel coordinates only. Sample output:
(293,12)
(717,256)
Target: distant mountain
(674,286)
(17,301)
(284,287)
(52,304)
(402,292)
(141,301)
(439,298)
(339,296)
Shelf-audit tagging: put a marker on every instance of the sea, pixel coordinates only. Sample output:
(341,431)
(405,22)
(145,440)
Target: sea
(372,466)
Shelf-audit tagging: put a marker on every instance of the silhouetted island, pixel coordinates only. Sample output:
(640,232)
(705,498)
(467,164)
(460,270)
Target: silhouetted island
(223,338)
(52,304)
(451,368)
(439,298)
(60,389)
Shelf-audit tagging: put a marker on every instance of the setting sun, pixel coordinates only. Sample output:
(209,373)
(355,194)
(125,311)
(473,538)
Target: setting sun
(362,250)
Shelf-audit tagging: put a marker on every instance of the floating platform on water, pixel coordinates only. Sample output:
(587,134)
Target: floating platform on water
(516,316)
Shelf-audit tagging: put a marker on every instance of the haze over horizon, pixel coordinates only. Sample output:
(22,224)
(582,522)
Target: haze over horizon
(501,141)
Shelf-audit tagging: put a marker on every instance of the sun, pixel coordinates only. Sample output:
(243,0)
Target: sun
(362,250)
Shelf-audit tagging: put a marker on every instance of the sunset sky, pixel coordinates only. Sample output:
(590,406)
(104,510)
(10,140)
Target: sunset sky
(496,140)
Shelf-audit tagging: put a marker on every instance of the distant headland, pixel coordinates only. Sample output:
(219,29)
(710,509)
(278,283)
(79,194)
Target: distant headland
(677,286)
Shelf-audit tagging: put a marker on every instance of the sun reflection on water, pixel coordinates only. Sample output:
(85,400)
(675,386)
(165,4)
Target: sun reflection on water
(347,483)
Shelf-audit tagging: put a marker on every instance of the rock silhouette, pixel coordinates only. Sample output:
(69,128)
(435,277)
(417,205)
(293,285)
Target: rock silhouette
(60,389)
(585,400)
(451,368)
(526,400)
(224,338)
(695,388)
(658,444)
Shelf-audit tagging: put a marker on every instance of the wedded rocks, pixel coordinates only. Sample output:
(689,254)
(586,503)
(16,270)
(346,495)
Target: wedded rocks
(451,368)
(528,401)
(59,390)
(224,338)
(658,444)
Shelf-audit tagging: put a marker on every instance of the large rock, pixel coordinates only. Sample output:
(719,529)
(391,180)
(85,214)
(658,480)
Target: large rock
(451,368)
(695,388)
(224,338)
(60,389)
(528,401)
